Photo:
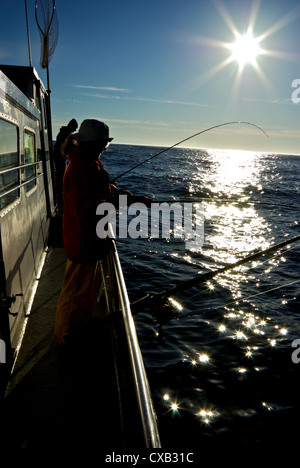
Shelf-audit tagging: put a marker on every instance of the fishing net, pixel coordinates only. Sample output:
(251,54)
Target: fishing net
(46,19)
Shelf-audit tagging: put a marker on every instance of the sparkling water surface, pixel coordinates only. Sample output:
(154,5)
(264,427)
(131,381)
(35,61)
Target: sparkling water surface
(220,366)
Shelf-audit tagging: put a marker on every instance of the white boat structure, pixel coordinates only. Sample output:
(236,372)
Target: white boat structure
(99,392)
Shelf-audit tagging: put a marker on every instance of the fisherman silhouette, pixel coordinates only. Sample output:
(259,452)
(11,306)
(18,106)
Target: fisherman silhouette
(60,157)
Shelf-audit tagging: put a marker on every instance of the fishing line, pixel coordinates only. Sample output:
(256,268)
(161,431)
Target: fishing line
(225,200)
(204,277)
(262,263)
(186,139)
(236,301)
(168,315)
(267,260)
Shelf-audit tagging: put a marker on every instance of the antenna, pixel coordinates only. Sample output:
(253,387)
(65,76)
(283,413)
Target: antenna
(46,20)
(28,36)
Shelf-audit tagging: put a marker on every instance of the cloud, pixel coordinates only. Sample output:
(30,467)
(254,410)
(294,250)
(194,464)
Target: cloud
(159,123)
(103,88)
(269,101)
(132,98)
(166,101)
(142,99)
(286,133)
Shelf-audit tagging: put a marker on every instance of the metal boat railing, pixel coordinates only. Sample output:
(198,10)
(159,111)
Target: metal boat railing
(19,184)
(117,289)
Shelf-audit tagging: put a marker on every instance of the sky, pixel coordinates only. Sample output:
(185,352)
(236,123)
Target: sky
(159,71)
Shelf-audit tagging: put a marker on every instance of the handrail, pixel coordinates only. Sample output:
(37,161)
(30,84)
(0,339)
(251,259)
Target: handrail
(148,416)
(35,163)
(20,185)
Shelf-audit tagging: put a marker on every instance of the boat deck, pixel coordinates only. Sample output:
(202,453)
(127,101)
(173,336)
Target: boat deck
(66,397)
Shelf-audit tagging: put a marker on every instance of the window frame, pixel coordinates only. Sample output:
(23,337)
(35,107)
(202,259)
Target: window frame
(17,188)
(25,183)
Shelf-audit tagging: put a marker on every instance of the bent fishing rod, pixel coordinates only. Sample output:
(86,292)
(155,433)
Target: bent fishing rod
(160,298)
(186,139)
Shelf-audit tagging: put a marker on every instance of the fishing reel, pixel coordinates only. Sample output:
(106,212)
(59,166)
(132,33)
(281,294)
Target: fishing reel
(163,313)
(162,308)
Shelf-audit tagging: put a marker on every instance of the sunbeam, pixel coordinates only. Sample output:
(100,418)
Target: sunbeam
(246,49)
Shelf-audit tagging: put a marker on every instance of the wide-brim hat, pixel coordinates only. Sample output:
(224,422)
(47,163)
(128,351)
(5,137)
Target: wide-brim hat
(92,130)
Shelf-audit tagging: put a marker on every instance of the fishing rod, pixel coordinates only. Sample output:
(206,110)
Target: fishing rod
(186,139)
(160,298)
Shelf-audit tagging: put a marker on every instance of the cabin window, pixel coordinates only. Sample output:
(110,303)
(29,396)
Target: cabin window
(30,160)
(9,159)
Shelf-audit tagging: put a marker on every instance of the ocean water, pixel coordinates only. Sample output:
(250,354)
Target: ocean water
(221,362)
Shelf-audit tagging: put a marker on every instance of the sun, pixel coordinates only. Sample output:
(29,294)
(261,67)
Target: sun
(245,49)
